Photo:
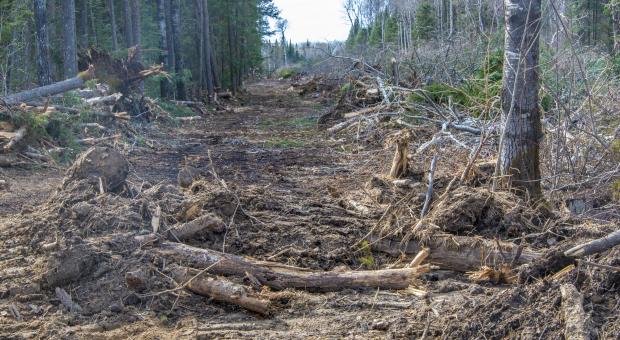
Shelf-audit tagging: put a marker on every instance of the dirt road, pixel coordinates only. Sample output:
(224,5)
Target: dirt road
(297,183)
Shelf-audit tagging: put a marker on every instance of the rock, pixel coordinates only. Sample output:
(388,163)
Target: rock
(100,162)
(187,175)
(4,185)
(82,210)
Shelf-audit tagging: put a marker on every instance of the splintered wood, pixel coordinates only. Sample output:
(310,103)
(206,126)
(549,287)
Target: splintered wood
(399,163)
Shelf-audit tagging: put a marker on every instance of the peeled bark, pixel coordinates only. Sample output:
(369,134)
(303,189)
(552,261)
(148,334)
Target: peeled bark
(280,276)
(519,161)
(41,30)
(70,39)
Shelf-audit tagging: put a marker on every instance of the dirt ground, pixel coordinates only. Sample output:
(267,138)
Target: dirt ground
(288,199)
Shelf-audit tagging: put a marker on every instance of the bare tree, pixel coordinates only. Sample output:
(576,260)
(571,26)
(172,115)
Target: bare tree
(519,146)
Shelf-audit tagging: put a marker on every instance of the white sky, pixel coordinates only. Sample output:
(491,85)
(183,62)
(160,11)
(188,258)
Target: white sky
(314,20)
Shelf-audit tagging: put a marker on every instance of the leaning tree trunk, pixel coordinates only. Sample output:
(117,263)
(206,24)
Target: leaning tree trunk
(70,39)
(519,152)
(43,57)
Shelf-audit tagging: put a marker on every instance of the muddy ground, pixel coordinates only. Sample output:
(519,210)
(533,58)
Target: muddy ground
(286,197)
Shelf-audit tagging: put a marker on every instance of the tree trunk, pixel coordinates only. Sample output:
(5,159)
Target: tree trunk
(135,28)
(41,30)
(207,49)
(280,276)
(200,41)
(51,89)
(519,158)
(113,24)
(84,24)
(164,57)
(70,39)
(128,24)
(175,11)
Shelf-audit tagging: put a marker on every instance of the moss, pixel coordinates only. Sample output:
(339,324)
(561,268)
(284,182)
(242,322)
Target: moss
(287,73)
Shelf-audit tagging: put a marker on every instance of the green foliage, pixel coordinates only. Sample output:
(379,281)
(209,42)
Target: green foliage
(424,24)
(366,259)
(287,72)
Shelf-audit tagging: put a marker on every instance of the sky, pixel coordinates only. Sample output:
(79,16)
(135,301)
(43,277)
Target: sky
(314,20)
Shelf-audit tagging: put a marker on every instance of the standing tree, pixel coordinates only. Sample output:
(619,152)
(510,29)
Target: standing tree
(207,50)
(135,28)
(164,57)
(519,146)
(42,45)
(84,24)
(128,24)
(69,37)
(113,24)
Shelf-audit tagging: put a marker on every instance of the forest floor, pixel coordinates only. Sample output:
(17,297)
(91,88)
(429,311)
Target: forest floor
(291,191)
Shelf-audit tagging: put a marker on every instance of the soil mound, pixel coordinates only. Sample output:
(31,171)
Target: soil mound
(100,165)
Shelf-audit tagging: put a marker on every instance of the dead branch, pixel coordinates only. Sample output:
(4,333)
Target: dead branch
(595,246)
(200,225)
(429,192)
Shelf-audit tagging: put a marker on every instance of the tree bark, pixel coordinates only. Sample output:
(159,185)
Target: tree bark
(280,276)
(70,39)
(595,246)
(50,90)
(175,12)
(128,24)
(164,57)
(200,41)
(207,50)
(519,153)
(135,28)
(42,50)
(84,24)
(113,24)
(459,253)
(221,290)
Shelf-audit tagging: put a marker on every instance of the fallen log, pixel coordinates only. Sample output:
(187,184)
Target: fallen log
(50,90)
(459,253)
(575,317)
(200,225)
(595,246)
(221,290)
(280,276)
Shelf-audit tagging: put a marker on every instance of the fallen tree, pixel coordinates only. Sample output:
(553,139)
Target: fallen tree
(459,253)
(50,90)
(280,276)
